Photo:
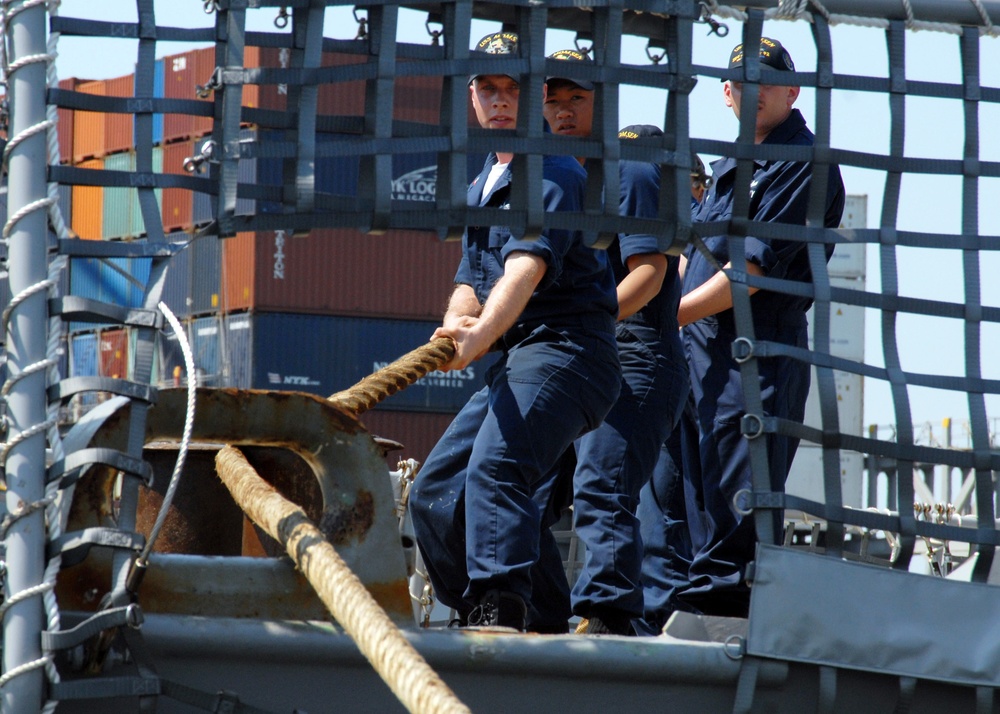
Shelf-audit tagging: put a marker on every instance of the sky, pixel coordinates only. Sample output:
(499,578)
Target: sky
(934,129)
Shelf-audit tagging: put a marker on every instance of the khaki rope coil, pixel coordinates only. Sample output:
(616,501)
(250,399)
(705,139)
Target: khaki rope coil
(411,679)
(396,376)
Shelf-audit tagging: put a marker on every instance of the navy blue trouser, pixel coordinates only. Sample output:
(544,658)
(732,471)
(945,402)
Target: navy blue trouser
(723,541)
(479,501)
(614,461)
(666,535)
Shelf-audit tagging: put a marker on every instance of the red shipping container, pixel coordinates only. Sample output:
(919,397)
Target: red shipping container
(177,202)
(88,127)
(411,273)
(112,353)
(341,98)
(118,127)
(418,99)
(266,96)
(88,205)
(65,124)
(418,432)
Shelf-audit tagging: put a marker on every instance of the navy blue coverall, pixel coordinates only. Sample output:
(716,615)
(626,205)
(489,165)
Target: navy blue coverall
(616,459)
(478,502)
(723,541)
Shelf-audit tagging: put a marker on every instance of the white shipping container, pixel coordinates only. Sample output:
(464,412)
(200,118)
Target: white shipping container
(848,259)
(847,323)
(847,340)
(806,477)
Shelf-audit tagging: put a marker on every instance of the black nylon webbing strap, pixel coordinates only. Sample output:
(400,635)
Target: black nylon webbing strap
(776,500)
(230,28)
(307,26)
(74,385)
(74,547)
(72,307)
(816,213)
(67,469)
(603,178)
(981,442)
(768,531)
(450,187)
(375,177)
(94,625)
(526,168)
(896,38)
(827,691)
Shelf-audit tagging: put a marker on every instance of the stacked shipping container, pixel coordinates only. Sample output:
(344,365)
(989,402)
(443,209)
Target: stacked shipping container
(268,311)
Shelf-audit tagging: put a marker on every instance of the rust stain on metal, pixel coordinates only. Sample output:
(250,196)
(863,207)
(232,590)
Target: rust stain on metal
(344,524)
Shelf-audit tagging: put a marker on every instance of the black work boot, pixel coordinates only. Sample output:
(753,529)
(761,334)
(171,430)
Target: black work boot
(498,609)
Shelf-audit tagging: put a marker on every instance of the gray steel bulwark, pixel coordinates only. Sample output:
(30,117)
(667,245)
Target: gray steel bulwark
(26,345)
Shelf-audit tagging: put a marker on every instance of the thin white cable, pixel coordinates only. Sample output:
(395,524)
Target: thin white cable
(185,437)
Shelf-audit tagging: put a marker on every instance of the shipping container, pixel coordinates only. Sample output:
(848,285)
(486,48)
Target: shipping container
(65,125)
(137,226)
(117,223)
(180,76)
(88,204)
(418,99)
(177,202)
(204,63)
(88,127)
(206,340)
(65,203)
(246,174)
(112,353)
(118,281)
(407,274)
(168,364)
(206,268)
(118,126)
(266,96)
(418,432)
(83,362)
(177,284)
(158,86)
(323,354)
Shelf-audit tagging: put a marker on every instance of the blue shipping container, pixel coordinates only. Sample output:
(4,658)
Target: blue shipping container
(414,176)
(83,355)
(322,354)
(177,285)
(168,368)
(206,274)
(204,336)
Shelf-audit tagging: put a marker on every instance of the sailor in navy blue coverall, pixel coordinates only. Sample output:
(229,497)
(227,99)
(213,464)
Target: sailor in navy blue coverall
(662,510)
(617,458)
(723,541)
(549,306)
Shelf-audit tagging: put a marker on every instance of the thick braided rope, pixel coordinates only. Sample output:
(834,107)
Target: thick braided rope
(411,679)
(396,376)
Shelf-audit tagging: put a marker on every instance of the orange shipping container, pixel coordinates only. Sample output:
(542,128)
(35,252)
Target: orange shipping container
(118,126)
(88,205)
(88,127)
(177,202)
(411,273)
